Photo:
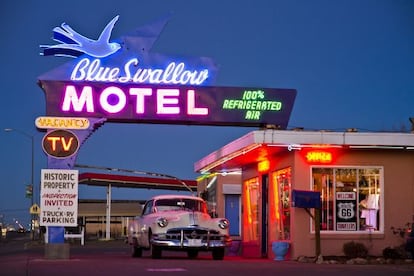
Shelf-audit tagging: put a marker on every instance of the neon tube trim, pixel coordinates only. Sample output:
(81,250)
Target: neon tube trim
(73,44)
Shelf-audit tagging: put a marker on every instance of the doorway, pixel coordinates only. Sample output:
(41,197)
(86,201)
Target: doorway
(264,199)
(232,213)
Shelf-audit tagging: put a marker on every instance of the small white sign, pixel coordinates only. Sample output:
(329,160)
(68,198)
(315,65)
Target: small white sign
(346,226)
(59,197)
(346,196)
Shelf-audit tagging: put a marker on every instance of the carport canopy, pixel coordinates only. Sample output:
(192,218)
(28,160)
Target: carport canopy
(142,182)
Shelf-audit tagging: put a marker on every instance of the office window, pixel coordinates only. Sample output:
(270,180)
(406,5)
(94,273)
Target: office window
(350,198)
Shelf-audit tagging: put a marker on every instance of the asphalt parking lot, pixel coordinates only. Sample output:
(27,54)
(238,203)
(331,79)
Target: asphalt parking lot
(21,256)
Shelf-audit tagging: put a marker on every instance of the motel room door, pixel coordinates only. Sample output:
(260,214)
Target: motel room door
(255,210)
(265,210)
(232,213)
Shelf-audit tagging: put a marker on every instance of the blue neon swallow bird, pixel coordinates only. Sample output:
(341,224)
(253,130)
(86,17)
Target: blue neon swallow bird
(73,44)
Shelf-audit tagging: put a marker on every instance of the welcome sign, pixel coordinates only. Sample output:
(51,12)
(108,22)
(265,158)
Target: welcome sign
(121,80)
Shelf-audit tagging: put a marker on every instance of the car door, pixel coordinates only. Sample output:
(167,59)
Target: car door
(144,223)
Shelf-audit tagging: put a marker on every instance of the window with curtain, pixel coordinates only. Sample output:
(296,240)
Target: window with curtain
(251,209)
(350,198)
(280,203)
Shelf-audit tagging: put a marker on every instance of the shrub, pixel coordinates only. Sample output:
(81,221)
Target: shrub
(355,250)
(390,253)
(394,253)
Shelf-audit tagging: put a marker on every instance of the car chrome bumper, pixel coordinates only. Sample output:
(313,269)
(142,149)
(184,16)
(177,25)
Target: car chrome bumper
(191,243)
(186,244)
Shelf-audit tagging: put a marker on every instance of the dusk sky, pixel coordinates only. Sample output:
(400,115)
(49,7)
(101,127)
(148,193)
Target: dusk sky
(351,62)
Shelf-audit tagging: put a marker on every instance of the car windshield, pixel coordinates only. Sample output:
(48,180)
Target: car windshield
(172,204)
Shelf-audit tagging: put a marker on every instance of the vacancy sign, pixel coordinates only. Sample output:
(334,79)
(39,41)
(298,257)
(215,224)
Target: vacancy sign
(59,197)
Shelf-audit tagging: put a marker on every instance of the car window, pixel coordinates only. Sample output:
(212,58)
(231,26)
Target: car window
(148,208)
(172,204)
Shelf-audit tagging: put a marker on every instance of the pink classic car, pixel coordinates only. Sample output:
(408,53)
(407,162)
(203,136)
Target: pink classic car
(178,222)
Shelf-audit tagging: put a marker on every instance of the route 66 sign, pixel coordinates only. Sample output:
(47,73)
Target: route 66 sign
(346,211)
(346,207)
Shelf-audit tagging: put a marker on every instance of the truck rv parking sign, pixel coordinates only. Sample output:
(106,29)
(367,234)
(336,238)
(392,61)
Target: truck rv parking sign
(59,197)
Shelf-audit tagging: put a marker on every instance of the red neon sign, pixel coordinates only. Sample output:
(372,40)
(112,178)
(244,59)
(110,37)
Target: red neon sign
(319,156)
(263,166)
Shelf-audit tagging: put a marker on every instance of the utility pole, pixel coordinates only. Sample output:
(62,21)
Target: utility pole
(31,137)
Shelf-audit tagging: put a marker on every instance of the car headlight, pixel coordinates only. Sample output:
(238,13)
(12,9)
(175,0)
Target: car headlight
(223,224)
(162,222)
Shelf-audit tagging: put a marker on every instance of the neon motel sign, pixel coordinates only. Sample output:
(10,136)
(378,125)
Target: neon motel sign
(116,80)
(167,101)
(200,105)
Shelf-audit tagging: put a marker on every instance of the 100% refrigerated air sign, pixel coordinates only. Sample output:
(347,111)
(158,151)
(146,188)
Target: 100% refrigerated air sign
(59,197)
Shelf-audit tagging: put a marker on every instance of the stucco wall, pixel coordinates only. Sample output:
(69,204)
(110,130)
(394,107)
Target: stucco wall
(398,202)
(397,199)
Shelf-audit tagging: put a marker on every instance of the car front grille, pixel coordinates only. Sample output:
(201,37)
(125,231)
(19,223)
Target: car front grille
(193,233)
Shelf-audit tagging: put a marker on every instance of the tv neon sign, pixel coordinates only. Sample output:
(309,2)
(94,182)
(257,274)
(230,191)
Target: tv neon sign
(60,143)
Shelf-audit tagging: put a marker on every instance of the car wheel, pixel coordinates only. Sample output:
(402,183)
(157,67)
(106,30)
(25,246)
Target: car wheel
(218,253)
(155,250)
(136,252)
(192,253)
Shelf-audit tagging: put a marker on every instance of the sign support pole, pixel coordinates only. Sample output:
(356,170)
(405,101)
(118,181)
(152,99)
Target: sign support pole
(108,213)
(317,221)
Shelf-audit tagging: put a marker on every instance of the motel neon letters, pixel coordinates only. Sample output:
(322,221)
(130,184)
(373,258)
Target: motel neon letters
(172,104)
(113,99)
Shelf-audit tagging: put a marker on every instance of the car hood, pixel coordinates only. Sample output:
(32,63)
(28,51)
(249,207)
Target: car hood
(186,218)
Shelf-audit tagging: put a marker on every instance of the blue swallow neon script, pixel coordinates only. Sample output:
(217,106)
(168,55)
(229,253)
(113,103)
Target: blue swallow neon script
(173,73)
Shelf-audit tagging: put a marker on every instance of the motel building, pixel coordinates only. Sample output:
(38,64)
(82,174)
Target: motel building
(264,182)
(365,182)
